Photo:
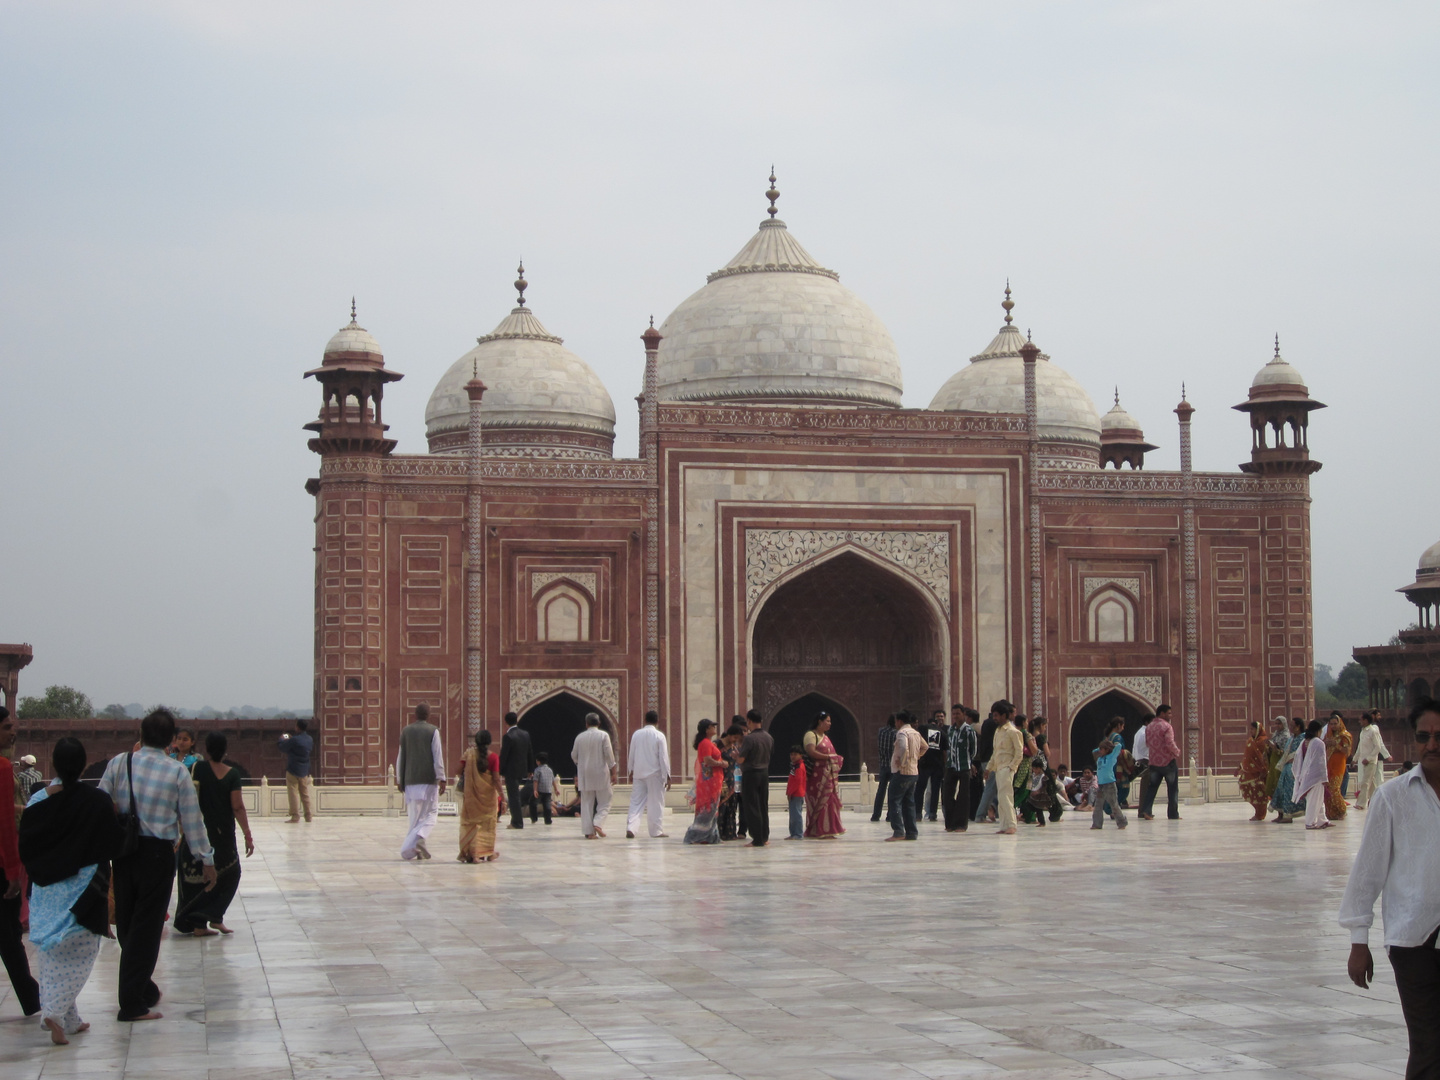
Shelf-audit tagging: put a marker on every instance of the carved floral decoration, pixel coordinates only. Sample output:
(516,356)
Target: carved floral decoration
(770,553)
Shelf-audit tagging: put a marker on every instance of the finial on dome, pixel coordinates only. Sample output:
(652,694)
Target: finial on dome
(772,194)
(1117,397)
(352,309)
(1182,392)
(520,283)
(1277,346)
(1007,303)
(652,322)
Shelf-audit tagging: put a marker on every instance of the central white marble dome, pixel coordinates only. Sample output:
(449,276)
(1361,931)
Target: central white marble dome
(775,326)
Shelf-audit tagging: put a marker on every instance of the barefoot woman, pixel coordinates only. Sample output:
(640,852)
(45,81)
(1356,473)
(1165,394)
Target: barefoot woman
(67,836)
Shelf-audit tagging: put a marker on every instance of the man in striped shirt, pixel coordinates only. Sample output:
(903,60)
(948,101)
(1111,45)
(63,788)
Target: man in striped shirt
(166,805)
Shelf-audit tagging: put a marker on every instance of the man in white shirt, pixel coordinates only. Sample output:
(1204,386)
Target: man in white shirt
(1370,755)
(594,775)
(1141,754)
(649,777)
(1399,861)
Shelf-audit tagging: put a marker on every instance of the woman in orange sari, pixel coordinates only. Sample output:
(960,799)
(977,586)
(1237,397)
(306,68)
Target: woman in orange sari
(1338,745)
(822,782)
(709,781)
(480,808)
(1254,769)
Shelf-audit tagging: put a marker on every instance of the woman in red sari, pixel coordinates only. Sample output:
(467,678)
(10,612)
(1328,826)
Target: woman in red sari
(822,782)
(1338,744)
(709,781)
(1254,768)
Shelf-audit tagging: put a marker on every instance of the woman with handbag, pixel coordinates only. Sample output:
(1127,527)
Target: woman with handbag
(217,786)
(68,835)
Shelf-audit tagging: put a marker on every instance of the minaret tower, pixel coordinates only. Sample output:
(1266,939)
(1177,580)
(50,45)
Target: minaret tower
(349,724)
(1280,405)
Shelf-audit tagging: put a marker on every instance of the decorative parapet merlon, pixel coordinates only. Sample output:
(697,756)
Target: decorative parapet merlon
(874,421)
(455,466)
(1144,482)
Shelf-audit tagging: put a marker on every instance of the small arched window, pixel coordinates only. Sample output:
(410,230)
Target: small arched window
(1111,616)
(562,613)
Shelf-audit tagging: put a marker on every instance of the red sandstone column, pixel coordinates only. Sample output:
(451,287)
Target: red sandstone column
(474,566)
(649,451)
(1190,593)
(1029,353)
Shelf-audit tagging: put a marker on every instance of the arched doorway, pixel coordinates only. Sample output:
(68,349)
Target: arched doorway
(788,726)
(1090,723)
(553,724)
(859,636)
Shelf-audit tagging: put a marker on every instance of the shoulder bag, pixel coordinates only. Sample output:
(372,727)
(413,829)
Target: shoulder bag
(130,820)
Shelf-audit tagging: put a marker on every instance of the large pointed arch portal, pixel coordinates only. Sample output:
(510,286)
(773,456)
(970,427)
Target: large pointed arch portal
(861,635)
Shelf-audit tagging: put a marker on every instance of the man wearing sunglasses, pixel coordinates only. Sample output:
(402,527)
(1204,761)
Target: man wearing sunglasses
(1399,861)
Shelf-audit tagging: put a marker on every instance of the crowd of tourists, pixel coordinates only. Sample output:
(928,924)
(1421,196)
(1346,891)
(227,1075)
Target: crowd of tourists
(1302,768)
(105,861)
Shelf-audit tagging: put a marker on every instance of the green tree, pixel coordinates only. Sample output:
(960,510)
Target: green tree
(59,703)
(1324,677)
(115,712)
(1351,684)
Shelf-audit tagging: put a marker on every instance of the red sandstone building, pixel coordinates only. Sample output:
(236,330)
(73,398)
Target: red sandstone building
(1401,674)
(791,538)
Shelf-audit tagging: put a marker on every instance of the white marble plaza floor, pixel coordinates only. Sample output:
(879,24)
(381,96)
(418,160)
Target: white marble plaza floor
(1172,948)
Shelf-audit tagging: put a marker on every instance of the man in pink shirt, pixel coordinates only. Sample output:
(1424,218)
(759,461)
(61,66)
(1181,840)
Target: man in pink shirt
(1164,764)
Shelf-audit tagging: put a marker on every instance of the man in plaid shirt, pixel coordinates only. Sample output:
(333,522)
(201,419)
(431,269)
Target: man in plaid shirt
(166,804)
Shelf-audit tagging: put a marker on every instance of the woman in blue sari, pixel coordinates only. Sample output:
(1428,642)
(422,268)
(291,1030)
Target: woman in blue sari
(1283,801)
(68,835)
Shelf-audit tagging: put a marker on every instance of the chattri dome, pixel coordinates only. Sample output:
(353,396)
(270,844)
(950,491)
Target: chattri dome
(352,342)
(1118,420)
(774,326)
(1430,560)
(541,400)
(994,382)
(1278,373)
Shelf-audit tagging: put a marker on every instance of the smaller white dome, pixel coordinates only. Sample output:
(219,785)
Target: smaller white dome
(1278,372)
(540,398)
(353,340)
(1117,419)
(1431,559)
(994,382)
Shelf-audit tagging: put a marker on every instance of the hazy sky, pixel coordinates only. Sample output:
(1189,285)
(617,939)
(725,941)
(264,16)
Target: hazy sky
(192,192)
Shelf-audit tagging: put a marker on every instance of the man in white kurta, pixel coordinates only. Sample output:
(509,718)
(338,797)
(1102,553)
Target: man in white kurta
(1370,755)
(594,775)
(420,774)
(649,776)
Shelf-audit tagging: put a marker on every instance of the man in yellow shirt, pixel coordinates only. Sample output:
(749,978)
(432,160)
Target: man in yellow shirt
(1009,752)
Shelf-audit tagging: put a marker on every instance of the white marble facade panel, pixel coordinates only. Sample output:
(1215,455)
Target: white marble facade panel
(706,489)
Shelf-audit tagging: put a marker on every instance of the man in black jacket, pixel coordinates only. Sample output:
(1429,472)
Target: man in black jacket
(984,748)
(517,762)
